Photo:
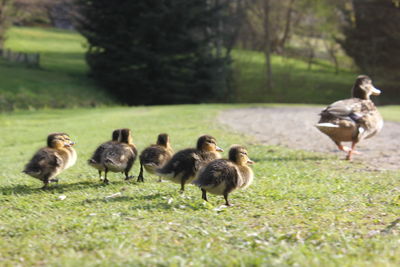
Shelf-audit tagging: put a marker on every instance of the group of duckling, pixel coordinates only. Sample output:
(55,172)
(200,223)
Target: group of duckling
(351,120)
(201,165)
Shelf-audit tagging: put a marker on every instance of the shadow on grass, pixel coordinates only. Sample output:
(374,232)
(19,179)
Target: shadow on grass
(54,188)
(140,202)
(288,158)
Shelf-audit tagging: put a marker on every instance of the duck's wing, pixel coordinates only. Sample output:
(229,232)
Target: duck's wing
(348,109)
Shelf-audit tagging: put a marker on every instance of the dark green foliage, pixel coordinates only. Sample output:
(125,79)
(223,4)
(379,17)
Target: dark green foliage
(373,38)
(153,51)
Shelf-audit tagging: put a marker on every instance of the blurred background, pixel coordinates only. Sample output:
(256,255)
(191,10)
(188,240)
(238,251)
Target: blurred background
(73,53)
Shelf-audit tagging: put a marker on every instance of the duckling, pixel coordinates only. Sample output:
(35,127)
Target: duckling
(96,161)
(353,119)
(183,166)
(50,161)
(222,176)
(155,156)
(120,156)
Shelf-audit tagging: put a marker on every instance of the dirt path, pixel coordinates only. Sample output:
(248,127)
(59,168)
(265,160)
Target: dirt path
(293,127)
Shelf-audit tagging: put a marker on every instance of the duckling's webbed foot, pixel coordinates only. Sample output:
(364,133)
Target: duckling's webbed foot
(184,178)
(54,180)
(127,177)
(45,183)
(226,200)
(140,178)
(105,181)
(204,194)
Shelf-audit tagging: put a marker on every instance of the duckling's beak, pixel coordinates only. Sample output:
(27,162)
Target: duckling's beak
(219,149)
(375,91)
(72,143)
(249,161)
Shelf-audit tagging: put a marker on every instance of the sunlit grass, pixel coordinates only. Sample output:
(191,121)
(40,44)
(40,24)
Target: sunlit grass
(303,208)
(292,81)
(60,82)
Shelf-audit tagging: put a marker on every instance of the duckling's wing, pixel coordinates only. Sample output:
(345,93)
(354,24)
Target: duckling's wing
(98,153)
(153,155)
(217,172)
(44,158)
(184,161)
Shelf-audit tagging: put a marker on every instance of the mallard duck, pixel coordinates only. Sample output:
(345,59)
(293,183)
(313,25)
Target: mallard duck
(96,161)
(353,119)
(50,161)
(155,156)
(120,156)
(183,166)
(222,176)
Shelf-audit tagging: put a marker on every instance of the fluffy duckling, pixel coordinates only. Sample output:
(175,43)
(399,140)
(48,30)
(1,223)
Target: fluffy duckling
(50,161)
(222,176)
(183,166)
(353,119)
(96,161)
(155,156)
(120,156)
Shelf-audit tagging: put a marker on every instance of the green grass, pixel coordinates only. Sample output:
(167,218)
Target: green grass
(303,209)
(61,80)
(292,81)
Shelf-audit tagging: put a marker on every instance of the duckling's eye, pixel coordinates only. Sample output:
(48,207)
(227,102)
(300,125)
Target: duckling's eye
(244,153)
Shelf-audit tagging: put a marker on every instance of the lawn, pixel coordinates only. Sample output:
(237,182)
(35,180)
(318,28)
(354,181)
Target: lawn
(303,209)
(60,82)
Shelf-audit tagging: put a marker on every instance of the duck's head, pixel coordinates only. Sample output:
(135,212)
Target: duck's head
(208,143)
(116,134)
(363,88)
(163,140)
(125,136)
(59,140)
(238,154)
(68,140)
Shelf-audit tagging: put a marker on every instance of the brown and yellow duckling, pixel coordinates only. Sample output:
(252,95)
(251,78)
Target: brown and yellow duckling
(120,156)
(50,161)
(155,156)
(183,166)
(222,176)
(96,161)
(353,119)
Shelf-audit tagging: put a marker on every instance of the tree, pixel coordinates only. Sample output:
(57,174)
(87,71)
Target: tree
(5,6)
(154,51)
(372,36)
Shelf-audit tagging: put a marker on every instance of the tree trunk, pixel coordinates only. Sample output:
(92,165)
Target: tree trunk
(288,22)
(267,44)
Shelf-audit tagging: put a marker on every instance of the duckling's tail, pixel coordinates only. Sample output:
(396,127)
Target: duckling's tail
(92,162)
(33,173)
(165,172)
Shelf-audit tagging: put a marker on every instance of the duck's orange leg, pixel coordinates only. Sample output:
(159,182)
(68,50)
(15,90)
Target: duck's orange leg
(343,148)
(352,151)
